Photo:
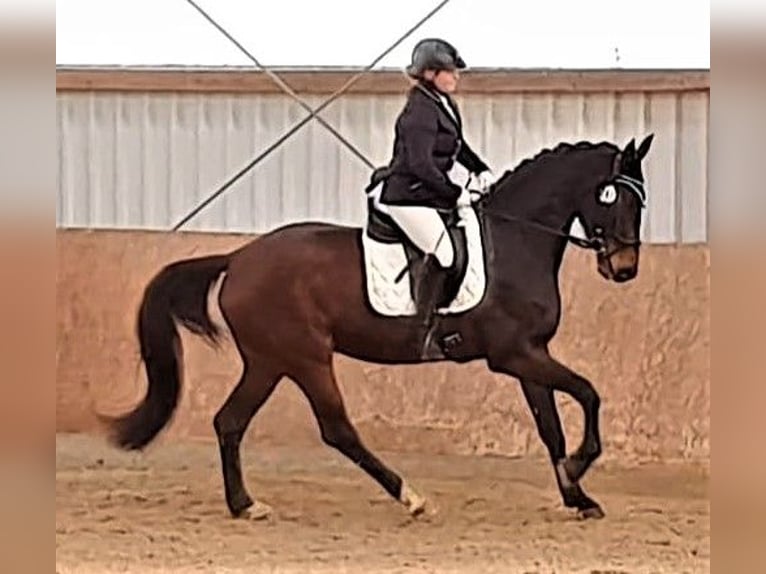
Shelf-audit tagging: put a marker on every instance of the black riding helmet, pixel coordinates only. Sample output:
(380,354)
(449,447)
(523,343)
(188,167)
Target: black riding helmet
(434,54)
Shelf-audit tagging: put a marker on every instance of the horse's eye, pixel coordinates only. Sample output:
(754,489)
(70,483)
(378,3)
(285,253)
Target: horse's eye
(608,195)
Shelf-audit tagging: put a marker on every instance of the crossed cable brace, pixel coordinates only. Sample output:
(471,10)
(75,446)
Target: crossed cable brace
(313,112)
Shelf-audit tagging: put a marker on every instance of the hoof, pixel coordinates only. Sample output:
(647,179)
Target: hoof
(594,512)
(256,511)
(415,503)
(238,504)
(418,508)
(248,509)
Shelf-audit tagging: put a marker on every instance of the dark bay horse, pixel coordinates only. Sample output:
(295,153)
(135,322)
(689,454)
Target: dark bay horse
(293,297)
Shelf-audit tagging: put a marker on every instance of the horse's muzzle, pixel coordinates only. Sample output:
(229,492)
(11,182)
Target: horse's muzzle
(618,264)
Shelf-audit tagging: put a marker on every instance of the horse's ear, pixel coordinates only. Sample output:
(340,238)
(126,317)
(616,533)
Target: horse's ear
(643,149)
(630,149)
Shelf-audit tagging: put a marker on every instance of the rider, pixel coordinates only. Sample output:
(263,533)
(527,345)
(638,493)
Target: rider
(428,141)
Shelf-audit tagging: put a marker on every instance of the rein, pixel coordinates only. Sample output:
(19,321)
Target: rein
(598,241)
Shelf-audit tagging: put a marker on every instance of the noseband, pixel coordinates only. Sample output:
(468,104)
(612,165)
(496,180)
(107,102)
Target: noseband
(634,186)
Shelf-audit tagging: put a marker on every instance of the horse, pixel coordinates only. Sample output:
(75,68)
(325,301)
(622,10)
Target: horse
(298,294)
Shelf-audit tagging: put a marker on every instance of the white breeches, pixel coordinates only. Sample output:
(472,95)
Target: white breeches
(423,225)
(425,228)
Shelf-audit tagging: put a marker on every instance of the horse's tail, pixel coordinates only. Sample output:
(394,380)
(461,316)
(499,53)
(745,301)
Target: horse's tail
(177,293)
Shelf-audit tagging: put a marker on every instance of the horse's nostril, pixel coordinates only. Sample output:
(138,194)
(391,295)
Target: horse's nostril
(624,274)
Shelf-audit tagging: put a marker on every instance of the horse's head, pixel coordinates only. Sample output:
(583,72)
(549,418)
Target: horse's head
(611,213)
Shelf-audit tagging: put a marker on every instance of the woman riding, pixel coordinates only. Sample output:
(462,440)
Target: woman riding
(428,141)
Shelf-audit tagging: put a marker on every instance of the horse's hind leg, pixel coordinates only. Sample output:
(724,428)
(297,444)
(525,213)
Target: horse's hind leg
(254,388)
(320,387)
(543,407)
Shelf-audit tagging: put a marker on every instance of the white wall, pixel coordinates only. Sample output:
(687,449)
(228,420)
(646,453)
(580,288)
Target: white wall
(144,160)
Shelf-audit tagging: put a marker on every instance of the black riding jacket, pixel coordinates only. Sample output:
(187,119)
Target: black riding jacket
(428,141)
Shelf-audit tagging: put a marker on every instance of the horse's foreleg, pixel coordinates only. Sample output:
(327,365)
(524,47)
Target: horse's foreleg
(231,422)
(535,364)
(543,406)
(320,387)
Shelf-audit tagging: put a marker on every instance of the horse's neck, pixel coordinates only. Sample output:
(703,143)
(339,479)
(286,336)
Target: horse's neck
(551,206)
(518,245)
(546,191)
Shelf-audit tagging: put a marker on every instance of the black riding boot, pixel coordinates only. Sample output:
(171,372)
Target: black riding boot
(429,293)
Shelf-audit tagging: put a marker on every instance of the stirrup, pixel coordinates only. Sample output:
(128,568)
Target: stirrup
(430,348)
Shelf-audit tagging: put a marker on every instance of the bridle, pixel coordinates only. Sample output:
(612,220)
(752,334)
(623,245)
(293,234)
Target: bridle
(635,186)
(598,241)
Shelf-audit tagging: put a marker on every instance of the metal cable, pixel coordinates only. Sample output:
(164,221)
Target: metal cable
(313,113)
(281,83)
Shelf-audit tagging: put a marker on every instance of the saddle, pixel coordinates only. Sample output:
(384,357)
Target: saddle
(382,228)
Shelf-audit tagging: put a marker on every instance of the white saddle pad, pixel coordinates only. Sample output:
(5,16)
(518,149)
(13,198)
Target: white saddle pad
(383,262)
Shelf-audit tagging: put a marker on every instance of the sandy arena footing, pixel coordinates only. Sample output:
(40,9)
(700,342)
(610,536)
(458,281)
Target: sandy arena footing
(163,511)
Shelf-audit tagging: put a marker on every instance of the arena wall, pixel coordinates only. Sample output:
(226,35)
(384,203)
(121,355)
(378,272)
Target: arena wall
(140,150)
(644,345)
